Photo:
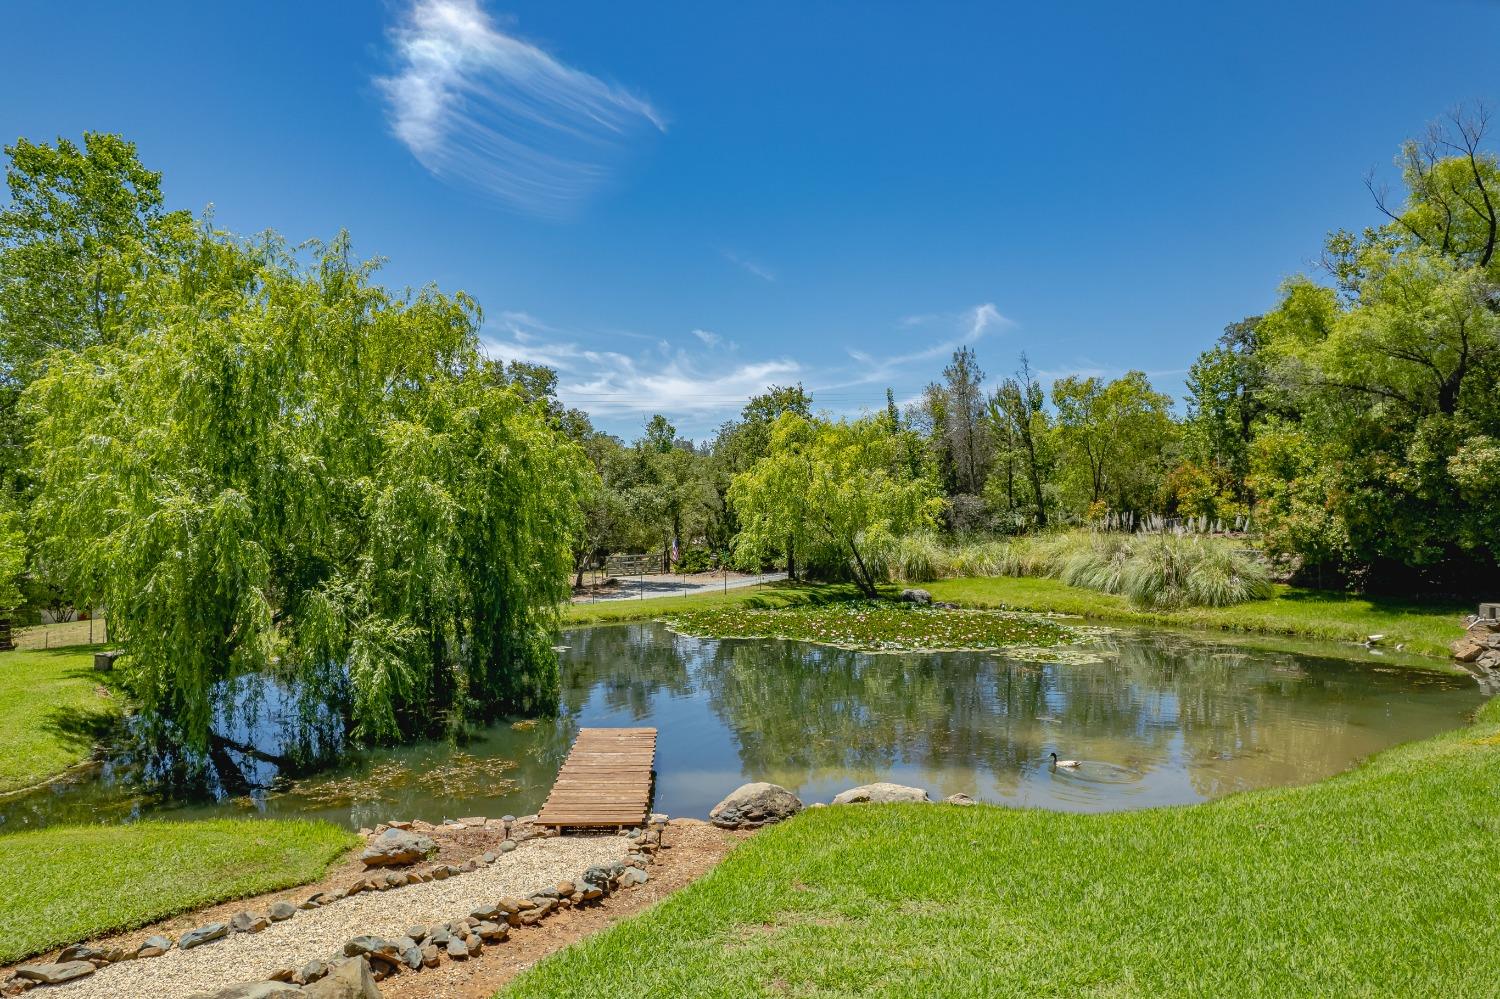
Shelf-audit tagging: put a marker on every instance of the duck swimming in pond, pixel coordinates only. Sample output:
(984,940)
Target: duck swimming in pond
(1065,764)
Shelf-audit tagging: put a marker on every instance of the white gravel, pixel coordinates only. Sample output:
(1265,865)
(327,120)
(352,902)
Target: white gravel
(318,934)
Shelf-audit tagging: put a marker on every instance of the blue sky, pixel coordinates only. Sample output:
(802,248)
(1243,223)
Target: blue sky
(676,204)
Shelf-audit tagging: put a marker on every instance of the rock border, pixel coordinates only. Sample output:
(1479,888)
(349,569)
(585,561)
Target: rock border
(458,939)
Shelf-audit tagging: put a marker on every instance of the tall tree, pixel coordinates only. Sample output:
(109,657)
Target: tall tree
(1114,438)
(308,477)
(830,487)
(1018,410)
(968,437)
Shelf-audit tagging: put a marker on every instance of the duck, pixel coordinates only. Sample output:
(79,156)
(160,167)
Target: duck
(1065,764)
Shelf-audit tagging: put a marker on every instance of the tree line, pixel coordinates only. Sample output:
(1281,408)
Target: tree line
(266,464)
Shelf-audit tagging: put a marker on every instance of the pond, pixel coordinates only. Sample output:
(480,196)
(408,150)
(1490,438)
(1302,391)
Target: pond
(1161,719)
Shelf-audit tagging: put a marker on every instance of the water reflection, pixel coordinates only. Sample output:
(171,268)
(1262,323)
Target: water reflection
(1165,719)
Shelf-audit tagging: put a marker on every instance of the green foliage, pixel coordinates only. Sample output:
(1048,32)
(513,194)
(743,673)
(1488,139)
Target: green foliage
(1114,438)
(1360,885)
(12,556)
(1161,571)
(291,471)
(835,489)
(71,883)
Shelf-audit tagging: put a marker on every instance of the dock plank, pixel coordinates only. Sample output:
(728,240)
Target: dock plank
(605,781)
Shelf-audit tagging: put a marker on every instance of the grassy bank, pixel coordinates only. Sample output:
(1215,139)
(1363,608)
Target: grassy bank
(73,883)
(1424,627)
(1366,884)
(53,708)
(767,596)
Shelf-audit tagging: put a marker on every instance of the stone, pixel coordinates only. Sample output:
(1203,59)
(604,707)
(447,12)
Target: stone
(154,946)
(1467,649)
(395,879)
(397,848)
(588,892)
(202,935)
(399,824)
(472,822)
(430,956)
(80,952)
(633,876)
(457,949)
(282,975)
(566,888)
(365,944)
(880,793)
(490,857)
(312,971)
(280,911)
(491,932)
(54,973)
(412,956)
(258,990)
(474,944)
(440,873)
(751,806)
(915,596)
(959,799)
(488,912)
(345,980)
(245,922)
(507,846)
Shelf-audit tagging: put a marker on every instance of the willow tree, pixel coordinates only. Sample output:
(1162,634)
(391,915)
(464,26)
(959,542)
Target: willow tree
(835,490)
(287,470)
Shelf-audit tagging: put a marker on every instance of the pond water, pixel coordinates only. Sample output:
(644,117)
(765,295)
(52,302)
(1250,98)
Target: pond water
(1162,719)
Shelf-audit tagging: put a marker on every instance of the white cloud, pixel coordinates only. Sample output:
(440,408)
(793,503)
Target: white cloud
(481,108)
(750,266)
(961,328)
(695,388)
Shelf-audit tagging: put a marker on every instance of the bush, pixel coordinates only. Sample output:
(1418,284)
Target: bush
(1152,570)
(695,560)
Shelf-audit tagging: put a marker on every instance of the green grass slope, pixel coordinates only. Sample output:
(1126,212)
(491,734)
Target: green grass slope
(1374,883)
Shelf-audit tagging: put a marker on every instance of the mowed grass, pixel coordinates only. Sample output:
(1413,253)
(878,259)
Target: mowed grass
(1425,627)
(53,709)
(767,596)
(1374,883)
(72,883)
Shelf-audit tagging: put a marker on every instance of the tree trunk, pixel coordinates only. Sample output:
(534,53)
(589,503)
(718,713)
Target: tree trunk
(791,559)
(862,577)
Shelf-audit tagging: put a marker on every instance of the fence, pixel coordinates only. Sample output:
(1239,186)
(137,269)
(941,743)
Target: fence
(65,633)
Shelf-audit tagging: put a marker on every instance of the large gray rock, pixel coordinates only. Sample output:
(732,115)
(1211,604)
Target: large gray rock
(915,596)
(753,805)
(258,990)
(959,799)
(54,974)
(345,980)
(397,848)
(880,793)
(201,935)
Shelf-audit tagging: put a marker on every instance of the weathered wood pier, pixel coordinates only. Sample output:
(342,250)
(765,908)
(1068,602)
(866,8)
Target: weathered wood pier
(605,781)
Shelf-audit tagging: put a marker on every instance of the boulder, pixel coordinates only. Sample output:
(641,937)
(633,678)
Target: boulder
(880,793)
(959,799)
(914,596)
(258,990)
(753,805)
(1467,649)
(54,974)
(153,946)
(201,935)
(345,980)
(280,911)
(397,848)
(245,922)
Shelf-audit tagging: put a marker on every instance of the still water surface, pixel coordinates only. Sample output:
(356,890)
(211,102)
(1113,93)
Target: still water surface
(1163,719)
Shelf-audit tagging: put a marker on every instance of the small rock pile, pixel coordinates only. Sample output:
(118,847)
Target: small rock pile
(1480,645)
(421,947)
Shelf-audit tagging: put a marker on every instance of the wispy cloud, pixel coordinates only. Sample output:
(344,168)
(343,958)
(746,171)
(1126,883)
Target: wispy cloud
(750,266)
(694,387)
(955,330)
(481,108)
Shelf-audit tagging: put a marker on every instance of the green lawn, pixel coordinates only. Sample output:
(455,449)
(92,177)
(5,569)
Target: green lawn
(766,596)
(1425,627)
(73,883)
(1373,883)
(53,708)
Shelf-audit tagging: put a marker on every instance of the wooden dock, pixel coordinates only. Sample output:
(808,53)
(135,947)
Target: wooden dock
(605,781)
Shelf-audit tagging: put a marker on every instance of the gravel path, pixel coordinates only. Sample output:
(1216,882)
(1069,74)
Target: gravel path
(320,933)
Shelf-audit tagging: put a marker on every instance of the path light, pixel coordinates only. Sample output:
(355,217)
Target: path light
(507,820)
